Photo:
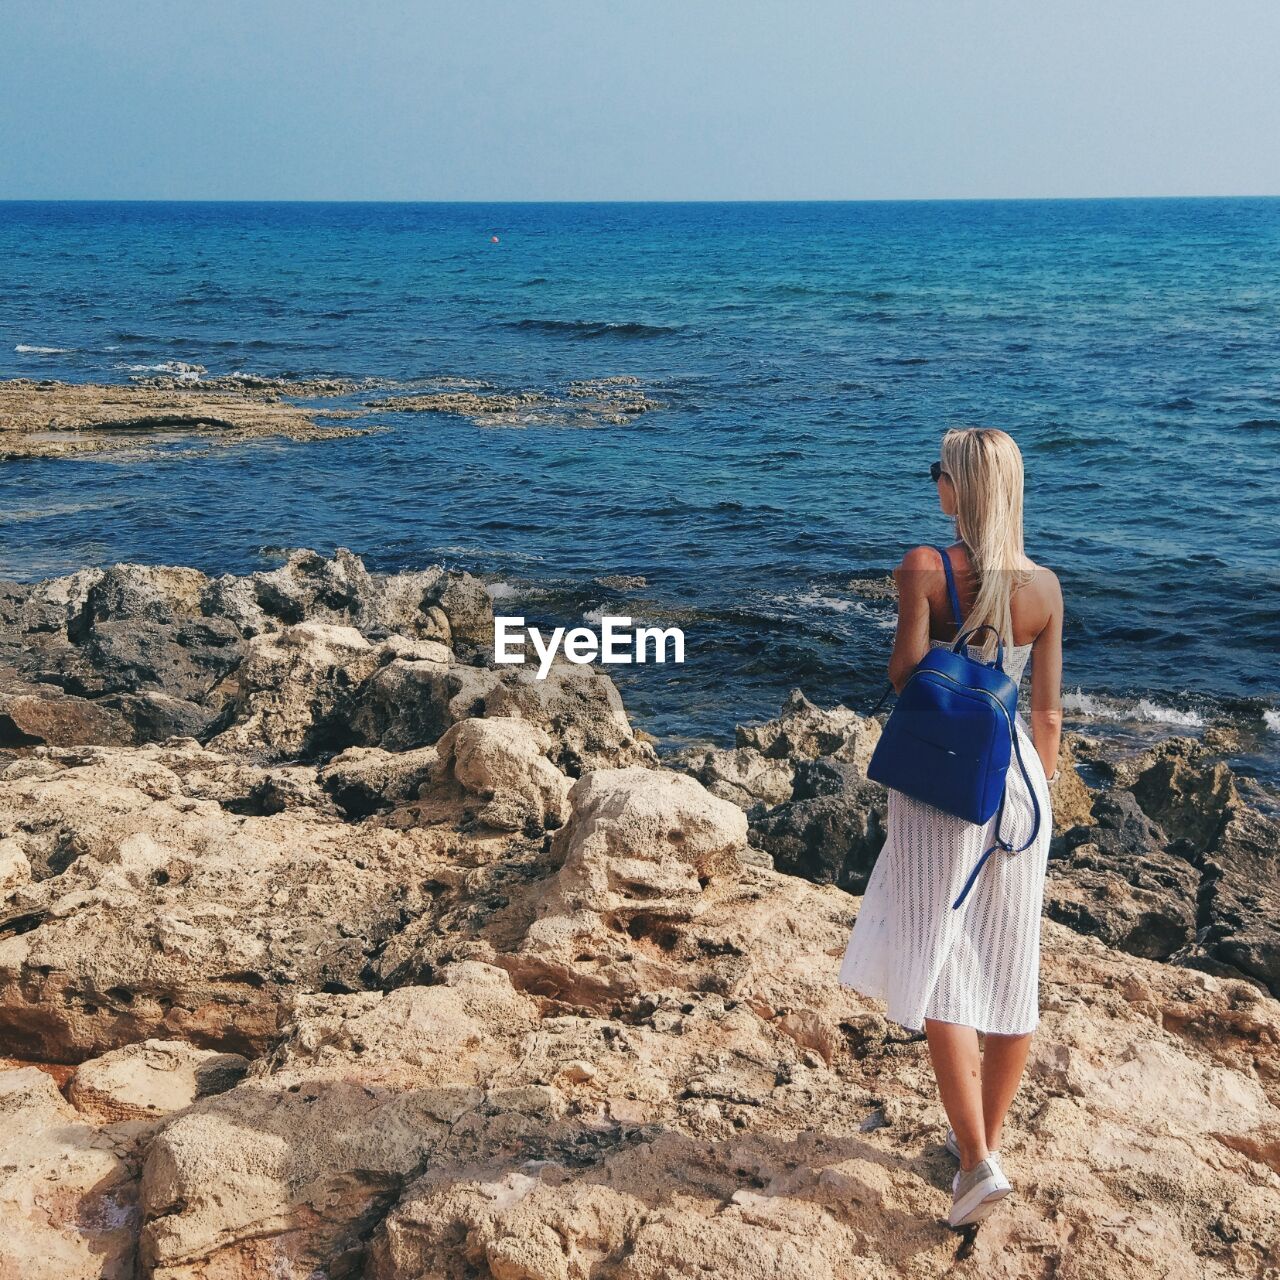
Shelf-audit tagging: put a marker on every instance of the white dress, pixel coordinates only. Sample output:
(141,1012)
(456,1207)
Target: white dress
(977,965)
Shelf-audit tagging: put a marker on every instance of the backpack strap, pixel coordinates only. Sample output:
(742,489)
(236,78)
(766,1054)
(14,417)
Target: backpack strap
(952,594)
(1002,843)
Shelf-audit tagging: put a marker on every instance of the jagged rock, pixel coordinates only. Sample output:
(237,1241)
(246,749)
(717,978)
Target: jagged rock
(150,1079)
(635,858)
(15,868)
(580,707)
(1240,897)
(168,914)
(450,1130)
(59,719)
(338,590)
(742,776)
(410,702)
(1070,799)
(363,780)
(499,771)
(287,1172)
(829,836)
(294,691)
(137,653)
(1188,798)
(137,627)
(53,419)
(1115,881)
(68,1200)
(806,731)
(466,604)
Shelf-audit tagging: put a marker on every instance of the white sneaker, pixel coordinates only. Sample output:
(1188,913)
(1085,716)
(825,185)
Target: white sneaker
(974,1194)
(954,1147)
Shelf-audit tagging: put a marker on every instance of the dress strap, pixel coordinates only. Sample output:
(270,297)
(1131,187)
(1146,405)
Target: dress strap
(952,594)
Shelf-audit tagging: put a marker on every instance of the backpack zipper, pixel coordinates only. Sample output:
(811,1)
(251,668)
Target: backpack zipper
(986,693)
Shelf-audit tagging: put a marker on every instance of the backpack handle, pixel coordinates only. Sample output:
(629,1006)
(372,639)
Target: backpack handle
(963,639)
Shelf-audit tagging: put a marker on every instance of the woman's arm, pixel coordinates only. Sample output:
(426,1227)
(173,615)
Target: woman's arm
(911,640)
(1046,681)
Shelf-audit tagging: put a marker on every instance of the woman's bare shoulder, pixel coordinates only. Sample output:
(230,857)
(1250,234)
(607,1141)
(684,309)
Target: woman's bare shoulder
(1040,600)
(1044,582)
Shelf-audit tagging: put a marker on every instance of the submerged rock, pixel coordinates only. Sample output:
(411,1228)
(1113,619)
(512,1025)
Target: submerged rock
(53,419)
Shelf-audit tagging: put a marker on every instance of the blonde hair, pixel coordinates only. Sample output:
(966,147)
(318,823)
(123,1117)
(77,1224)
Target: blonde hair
(985,466)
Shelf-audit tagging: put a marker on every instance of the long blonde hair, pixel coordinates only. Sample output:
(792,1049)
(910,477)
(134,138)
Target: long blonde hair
(985,466)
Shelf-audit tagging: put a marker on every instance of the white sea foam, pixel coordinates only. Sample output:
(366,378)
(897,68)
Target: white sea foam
(179,369)
(885,619)
(26,349)
(1271,718)
(502,590)
(491,552)
(1140,709)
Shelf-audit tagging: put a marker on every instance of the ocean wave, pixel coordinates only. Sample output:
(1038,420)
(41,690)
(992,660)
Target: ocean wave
(593,328)
(179,369)
(814,599)
(1260,424)
(1141,710)
(1271,718)
(489,553)
(27,349)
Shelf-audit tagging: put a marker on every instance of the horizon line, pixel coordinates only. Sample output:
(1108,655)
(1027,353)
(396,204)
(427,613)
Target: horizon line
(649,201)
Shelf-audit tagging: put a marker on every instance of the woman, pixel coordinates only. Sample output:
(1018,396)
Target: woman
(975,968)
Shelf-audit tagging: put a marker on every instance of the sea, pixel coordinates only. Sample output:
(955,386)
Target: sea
(802,361)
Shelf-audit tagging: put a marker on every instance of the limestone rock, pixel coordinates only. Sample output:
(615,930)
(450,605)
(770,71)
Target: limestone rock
(743,776)
(580,707)
(150,1079)
(806,731)
(1069,797)
(288,1171)
(1115,881)
(15,869)
(466,604)
(68,1200)
(166,913)
(833,829)
(410,702)
(293,687)
(635,859)
(500,767)
(1240,897)
(362,780)
(54,419)
(337,590)
(29,719)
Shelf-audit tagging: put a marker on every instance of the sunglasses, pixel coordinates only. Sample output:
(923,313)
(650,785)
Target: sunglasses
(935,470)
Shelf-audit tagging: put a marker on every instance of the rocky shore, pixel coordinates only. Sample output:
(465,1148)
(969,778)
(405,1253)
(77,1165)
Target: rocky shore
(329,950)
(56,419)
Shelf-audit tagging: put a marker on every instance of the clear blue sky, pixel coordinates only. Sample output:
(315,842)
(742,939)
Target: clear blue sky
(636,100)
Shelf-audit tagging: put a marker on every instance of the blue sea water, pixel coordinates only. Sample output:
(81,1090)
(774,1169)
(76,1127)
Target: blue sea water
(808,358)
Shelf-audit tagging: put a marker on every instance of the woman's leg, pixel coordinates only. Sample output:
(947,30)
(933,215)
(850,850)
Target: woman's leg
(1003,1059)
(953,1049)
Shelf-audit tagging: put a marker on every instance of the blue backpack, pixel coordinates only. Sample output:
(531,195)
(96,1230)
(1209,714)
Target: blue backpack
(949,738)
